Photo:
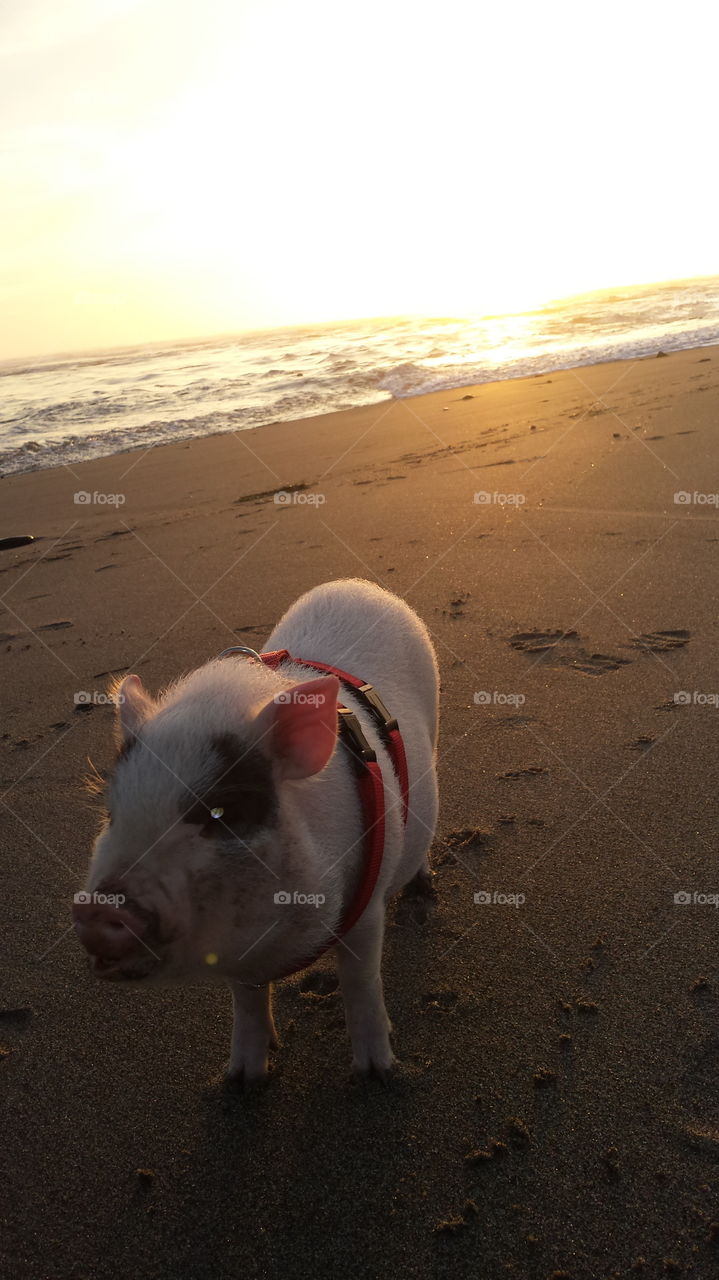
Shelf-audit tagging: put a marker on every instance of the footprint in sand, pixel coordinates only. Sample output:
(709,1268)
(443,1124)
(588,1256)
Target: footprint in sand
(532,771)
(698,1124)
(577,658)
(116,533)
(539,641)
(660,641)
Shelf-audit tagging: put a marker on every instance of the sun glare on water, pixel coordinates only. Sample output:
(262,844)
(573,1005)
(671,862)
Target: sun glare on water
(268,163)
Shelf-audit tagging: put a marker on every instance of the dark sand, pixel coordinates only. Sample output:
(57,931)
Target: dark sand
(570,1043)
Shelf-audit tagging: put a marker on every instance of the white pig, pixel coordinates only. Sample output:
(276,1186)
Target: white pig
(226,799)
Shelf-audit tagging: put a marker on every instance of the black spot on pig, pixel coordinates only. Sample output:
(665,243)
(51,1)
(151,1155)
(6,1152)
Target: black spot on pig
(240,798)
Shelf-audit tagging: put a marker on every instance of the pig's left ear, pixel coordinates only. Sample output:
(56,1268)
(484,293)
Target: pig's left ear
(134,706)
(300,726)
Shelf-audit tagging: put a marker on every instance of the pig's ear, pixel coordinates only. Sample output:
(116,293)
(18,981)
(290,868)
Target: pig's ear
(300,726)
(134,706)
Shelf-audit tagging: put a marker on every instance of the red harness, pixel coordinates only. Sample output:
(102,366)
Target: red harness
(369,782)
(369,777)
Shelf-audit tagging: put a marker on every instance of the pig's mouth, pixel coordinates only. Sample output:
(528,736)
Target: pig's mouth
(122,970)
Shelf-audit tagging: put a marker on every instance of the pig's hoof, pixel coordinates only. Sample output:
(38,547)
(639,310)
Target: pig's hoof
(242,1080)
(422,885)
(383,1070)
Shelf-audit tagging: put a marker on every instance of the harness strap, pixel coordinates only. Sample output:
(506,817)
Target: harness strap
(369,696)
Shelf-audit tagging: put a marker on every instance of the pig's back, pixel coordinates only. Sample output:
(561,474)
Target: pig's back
(370,633)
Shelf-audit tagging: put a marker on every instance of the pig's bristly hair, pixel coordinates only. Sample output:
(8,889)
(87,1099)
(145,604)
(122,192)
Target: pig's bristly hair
(95,782)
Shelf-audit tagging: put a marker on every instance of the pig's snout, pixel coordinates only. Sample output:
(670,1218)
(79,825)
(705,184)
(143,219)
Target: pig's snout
(106,931)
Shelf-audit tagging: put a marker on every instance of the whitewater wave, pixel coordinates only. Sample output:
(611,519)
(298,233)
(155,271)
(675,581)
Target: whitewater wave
(63,410)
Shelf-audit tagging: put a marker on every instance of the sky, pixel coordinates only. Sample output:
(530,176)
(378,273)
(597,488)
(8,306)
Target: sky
(172,169)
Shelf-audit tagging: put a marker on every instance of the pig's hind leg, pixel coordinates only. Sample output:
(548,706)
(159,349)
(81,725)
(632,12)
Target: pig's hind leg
(359,959)
(253,1033)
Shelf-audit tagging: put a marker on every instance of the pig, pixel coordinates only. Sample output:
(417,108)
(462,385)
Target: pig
(234,838)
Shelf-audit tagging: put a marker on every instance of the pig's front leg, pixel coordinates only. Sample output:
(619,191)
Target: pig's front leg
(253,1032)
(359,959)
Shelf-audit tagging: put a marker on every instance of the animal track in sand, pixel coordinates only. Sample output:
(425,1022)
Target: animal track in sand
(532,771)
(539,641)
(660,641)
(115,533)
(577,658)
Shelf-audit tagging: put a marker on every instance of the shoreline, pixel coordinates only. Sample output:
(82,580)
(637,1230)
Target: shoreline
(448,390)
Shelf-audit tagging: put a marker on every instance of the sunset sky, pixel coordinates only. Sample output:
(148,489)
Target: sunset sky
(171,168)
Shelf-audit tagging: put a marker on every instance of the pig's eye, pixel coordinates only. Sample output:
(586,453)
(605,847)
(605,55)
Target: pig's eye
(224,817)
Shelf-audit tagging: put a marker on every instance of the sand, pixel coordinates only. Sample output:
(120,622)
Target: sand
(556,1108)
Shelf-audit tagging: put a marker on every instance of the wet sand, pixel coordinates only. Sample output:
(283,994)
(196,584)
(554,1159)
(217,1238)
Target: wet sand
(556,1110)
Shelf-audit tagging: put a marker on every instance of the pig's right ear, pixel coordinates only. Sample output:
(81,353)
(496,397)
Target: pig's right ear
(134,706)
(300,726)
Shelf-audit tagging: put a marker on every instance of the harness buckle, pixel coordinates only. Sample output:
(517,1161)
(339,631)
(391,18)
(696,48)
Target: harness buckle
(356,743)
(371,698)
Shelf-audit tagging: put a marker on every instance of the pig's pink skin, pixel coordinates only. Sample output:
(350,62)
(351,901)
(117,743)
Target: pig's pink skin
(107,931)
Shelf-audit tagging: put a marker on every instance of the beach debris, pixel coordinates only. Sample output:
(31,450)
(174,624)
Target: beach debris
(544,1077)
(518,1131)
(20,540)
(468,839)
(449,1226)
(587,1007)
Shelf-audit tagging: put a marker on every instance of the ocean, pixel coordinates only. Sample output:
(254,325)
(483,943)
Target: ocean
(67,408)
